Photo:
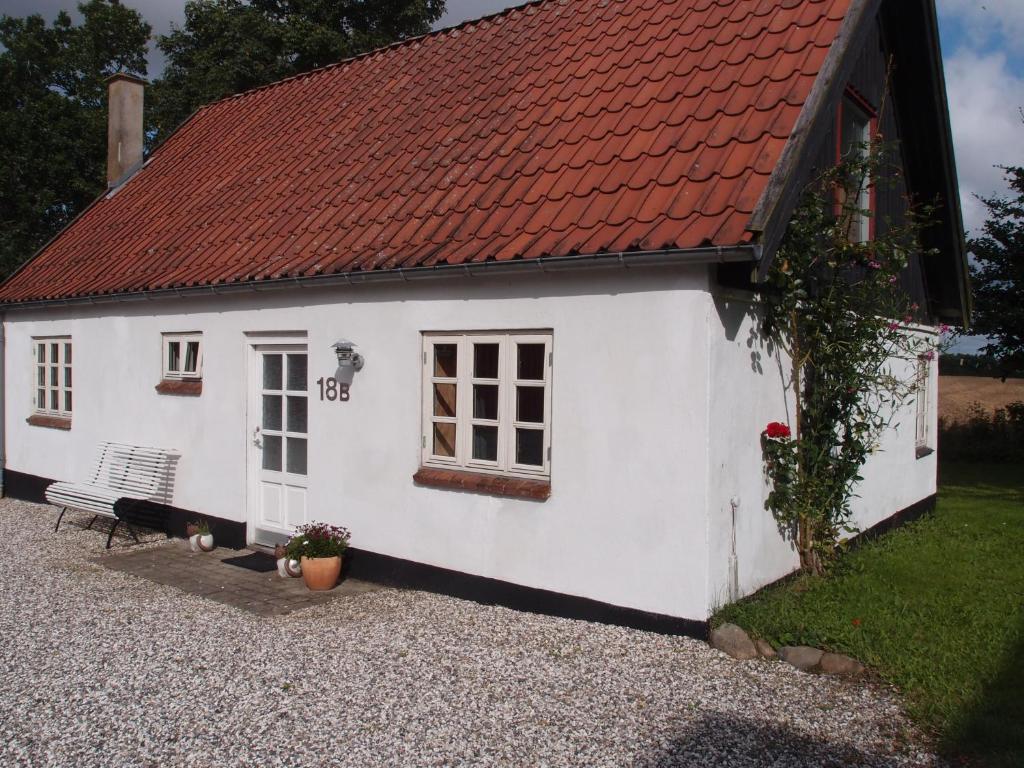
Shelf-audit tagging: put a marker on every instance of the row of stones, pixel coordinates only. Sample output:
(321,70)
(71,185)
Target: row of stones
(732,640)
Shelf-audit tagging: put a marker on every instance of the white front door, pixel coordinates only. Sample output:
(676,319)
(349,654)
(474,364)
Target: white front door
(279,444)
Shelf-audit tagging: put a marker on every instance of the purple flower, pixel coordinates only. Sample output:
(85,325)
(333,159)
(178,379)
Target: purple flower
(929,355)
(894,326)
(874,265)
(893,279)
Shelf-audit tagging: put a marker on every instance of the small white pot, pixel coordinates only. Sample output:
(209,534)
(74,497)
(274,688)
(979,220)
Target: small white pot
(193,542)
(282,567)
(206,542)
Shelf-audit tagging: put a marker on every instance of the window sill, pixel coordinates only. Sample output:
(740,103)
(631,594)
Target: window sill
(923,451)
(53,422)
(180,387)
(497,485)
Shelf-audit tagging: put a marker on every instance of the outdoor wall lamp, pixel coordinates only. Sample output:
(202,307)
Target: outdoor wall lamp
(347,356)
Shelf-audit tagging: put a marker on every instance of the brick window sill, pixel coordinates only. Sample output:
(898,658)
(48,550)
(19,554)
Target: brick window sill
(53,422)
(496,485)
(180,387)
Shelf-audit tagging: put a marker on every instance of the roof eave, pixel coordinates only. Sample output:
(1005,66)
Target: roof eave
(749,253)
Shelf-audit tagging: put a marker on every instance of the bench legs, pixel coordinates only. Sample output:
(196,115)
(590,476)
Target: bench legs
(117,522)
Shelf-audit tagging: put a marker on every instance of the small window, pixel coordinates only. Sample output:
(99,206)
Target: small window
(487,402)
(922,400)
(183,356)
(52,384)
(854,140)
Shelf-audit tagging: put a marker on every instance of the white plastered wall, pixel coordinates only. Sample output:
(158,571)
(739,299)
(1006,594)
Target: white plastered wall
(747,390)
(625,523)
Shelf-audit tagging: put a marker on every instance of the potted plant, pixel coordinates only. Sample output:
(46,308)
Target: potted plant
(199,537)
(318,547)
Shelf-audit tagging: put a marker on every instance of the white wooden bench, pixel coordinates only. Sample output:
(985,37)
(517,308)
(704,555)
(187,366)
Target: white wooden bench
(123,473)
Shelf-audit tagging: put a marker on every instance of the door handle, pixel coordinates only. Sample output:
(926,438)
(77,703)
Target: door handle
(256,437)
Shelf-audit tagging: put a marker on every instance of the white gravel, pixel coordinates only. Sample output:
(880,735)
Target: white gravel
(99,668)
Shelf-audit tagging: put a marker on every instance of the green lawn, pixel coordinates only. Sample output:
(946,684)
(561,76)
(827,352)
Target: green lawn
(936,607)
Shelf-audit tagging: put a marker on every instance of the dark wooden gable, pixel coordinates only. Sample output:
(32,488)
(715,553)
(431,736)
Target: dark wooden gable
(870,82)
(898,38)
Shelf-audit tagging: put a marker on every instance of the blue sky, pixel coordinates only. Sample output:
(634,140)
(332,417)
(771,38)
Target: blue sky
(983,52)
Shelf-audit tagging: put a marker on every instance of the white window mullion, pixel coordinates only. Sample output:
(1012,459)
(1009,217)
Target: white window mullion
(498,411)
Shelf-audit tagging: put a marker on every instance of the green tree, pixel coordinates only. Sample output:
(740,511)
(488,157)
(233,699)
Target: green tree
(998,276)
(53,117)
(228,46)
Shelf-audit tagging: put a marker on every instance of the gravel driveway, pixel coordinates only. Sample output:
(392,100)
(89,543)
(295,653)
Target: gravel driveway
(105,669)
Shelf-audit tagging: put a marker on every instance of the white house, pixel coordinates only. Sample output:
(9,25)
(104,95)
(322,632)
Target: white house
(540,230)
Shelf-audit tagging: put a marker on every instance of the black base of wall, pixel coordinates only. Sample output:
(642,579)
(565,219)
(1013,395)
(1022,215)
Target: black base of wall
(891,523)
(159,517)
(384,569)
(901,518)
(393,571)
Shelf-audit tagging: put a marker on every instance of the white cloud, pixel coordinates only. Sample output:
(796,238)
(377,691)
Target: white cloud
(981,20)
(985,99)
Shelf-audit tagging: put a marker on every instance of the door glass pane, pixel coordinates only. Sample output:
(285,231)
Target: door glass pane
(54,401)
(67,354)
(530,404)
(191,356)
(297,455)
(530,447)
(485,443)
(54,353)
(297,414)
(67,378)
(173,356)
(40,398)
(531,362)
(444,399)
(272,412)
(485,361)
(272,371)
(272,452)
(445,360)
(54,376)
(41,376)
(297,372)
(485,401)
(67,402)
(444,439)
(41,353)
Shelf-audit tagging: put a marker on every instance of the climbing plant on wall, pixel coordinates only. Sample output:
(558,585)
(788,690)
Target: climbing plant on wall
(835,306)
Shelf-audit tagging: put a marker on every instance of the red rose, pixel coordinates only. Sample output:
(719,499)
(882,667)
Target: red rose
(777,430)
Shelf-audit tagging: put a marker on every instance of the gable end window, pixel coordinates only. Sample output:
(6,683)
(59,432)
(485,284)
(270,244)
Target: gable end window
(487,402)
(855,126)
(52,393)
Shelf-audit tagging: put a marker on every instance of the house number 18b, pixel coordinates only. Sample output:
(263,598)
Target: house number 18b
(332,389)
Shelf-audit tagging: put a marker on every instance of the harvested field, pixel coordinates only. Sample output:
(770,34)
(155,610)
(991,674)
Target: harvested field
(958,393)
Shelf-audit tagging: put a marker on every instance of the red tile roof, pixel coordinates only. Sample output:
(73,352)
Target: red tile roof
(560,127)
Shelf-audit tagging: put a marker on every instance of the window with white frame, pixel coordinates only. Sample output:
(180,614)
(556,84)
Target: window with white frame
(183,355)
(854,141)
(922,399)
(52,358)
(487,402)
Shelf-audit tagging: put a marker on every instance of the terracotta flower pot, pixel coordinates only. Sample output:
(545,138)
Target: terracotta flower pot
(321,573)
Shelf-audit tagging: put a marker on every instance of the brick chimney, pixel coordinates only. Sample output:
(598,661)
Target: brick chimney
(124,127)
